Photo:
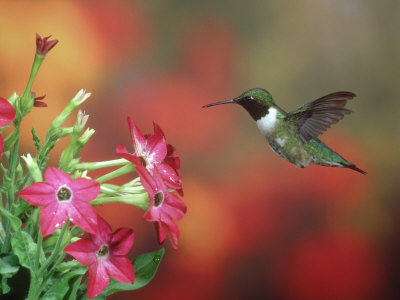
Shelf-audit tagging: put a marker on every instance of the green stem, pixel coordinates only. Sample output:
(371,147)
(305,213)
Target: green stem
(55,252)
(34,290)
(91,166)
(35,68)
(140,200)
(128,168)
(14,158)
(38,251)
(51,271)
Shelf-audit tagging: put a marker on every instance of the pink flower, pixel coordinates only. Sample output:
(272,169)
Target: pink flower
(151,150)
(43,45)
(7,115)
(164,206)
(63,198)
(104,253)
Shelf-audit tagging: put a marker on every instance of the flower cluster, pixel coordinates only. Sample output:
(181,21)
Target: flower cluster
(157,164)
(41,217)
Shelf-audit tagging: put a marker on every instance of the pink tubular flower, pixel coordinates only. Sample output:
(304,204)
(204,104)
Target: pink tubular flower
(164,206)
(7,115)
(63,198)
(151,150)
(43,45)
(104,253)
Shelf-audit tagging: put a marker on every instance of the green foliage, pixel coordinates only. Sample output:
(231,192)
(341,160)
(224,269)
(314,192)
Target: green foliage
(9,266)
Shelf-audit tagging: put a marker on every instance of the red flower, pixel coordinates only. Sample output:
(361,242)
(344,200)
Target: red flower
(43,45)
(164,206)
(104,253)
(7,115)
(37,101)
(63,198)
(151,150)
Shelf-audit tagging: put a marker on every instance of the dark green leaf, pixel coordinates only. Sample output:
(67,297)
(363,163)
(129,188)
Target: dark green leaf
(9,264)
(4,287)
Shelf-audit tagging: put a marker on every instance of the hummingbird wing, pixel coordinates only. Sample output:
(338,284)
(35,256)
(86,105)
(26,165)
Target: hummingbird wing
(315,117)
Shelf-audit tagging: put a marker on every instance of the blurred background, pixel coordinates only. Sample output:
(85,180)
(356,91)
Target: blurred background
(256,226)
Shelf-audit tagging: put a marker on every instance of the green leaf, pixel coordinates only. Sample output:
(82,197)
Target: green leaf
(20,207)
(63,283)
(4,287)
(145,267)
(74,286)
(9,264)
(25,248)
(15,221)
(36,140)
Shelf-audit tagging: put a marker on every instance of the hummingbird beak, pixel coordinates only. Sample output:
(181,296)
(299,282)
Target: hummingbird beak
(218,103)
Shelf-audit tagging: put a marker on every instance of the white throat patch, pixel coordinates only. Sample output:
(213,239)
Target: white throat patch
(267,123)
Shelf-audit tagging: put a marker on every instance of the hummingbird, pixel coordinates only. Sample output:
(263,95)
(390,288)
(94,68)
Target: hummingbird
(294,135)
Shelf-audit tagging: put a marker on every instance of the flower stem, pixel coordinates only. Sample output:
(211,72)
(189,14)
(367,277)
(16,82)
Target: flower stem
(90,166)
(26,101)
(140,200)
(56,251)
(119,172)
(14,159)
(38,250)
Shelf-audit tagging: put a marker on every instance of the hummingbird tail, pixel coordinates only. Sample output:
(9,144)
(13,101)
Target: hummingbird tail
(353,167)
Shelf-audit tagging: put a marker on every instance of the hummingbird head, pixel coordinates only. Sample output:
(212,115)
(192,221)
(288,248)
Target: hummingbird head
(256,101)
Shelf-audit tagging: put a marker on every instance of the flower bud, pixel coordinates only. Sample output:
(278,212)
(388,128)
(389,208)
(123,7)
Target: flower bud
(43,45)
(33,168)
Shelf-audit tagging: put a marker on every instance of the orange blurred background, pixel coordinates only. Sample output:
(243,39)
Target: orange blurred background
(256,227)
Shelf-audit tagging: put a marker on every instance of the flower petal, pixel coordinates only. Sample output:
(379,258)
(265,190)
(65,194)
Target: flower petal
(147,181)
(104,232)
(157,129)
(84,189)
(172,212)
(122,241)
(161,232)
(84,251)
(121,151)
(169,175)
(98,279)
(56,177)
(7,112)
(120,268)
(173,233)
(172,157)
(156,148)
(176,203)
(39,194)
(53,216)
(138,140)
(83,215)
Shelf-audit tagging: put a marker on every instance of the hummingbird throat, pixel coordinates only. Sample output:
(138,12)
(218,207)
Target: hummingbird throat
(255,108)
